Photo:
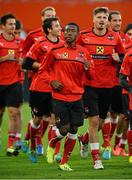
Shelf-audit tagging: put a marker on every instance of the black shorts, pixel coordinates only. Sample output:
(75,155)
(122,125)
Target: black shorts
(68,112)
(40,103)
(125,102)
(116,100)
(96,101)
(11,95)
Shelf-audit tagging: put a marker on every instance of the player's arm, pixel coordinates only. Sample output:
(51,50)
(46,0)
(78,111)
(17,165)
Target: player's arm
(28,42)
(124,73)
(7,57)
(124,83)
(30,64)
(30,61)
(119,51)
(89,67)
(117,57)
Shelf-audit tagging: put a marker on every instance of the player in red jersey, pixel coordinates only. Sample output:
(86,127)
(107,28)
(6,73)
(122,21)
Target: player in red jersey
(19,122)
(17,33)
(128,30)
(10,88)
(40,92)
(100,43)
(33,37)
(126,82)
(36,34)
(117,107)
(68,64)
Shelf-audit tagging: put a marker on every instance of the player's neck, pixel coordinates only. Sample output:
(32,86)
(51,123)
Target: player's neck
(52,38)
(71,44)
(99,32)
(8,36)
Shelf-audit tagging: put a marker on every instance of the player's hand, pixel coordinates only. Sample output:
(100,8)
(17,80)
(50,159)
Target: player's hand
(115,56)
(86,65)
(52,120)
(9,57)
(20,60)
(57,85)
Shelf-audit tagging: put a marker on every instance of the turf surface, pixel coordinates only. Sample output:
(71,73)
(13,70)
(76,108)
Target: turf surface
(21,168)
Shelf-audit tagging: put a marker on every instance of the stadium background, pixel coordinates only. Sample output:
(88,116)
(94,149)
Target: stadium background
(79,11)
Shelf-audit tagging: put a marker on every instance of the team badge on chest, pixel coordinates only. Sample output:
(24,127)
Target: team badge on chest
(99,50)
(10,51)
(65,55)
(110,37)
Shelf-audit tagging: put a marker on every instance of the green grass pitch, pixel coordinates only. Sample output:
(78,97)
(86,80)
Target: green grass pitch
(21,168)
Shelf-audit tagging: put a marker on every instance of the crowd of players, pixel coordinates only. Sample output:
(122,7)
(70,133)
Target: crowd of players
(73,75)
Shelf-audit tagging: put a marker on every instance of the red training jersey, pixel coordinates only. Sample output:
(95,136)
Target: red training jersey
(31,38)
(66,65)
(101,49)
(38,52)
(126,69)
(9,68)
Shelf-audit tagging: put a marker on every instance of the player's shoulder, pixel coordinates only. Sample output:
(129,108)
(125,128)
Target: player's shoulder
(122,34)
(112,33)
(82,49)
(35,31)
(19,39)
(79,47)
(58,46)
(85,31)
(42,40)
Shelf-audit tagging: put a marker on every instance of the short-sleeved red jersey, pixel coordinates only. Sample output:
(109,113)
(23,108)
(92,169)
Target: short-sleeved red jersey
(101,49)
(9,68)
(38,52)
(67,66)
(126,69)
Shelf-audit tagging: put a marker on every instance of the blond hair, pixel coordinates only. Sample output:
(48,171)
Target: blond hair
(47,9)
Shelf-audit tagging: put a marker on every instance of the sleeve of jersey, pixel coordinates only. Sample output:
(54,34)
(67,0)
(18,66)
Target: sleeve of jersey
(20,49)
(119,47)
(28,42)
(125,67)
(34,52)
(91,72)
(124,73)
(46,66)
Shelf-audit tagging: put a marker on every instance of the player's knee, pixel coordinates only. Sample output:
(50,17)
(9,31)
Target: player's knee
(2,112)
(13,113)
(64,129)
(73,129)
(130,119)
